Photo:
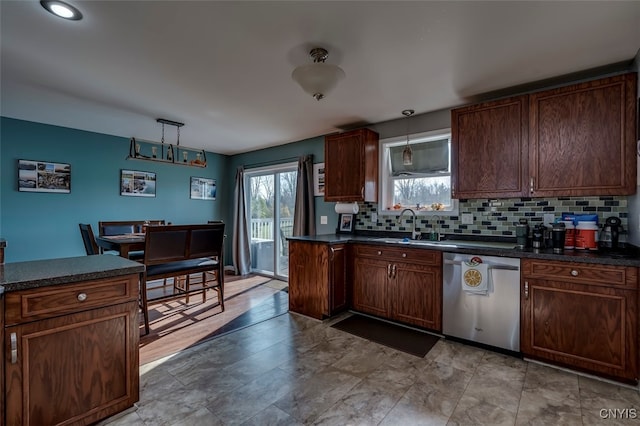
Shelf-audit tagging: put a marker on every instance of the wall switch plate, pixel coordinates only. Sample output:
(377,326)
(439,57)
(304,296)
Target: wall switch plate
(549,218)
(323,220)
(374,217)
(467,218)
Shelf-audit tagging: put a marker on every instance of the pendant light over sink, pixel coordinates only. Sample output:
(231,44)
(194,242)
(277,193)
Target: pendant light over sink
(318,78)
(407,154)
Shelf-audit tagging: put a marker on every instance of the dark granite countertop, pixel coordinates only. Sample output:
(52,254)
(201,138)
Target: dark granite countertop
(41,273)
(628,257)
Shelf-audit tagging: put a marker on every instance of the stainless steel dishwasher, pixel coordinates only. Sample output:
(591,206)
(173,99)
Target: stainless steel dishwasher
(492,319)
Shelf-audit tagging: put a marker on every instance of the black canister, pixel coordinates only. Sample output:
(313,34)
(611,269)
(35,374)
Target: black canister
(558,237)
(522,233)
(537,237)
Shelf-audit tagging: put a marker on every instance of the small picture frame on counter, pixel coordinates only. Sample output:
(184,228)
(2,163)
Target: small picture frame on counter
(346,223)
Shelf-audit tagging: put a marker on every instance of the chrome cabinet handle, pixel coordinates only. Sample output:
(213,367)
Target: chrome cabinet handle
(362,192)
(531,185)
(404,254)
(14,348)
(333,251)
(379,252)
(394,269)
(389,270)
(574,273)
(526,289)
(82,297)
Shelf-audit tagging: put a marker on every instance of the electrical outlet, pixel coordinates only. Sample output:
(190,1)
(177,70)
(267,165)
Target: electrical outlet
(374,217)
(467,218)
(323,220)
(549,218)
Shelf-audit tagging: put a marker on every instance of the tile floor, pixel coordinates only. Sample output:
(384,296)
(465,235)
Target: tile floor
(292,370)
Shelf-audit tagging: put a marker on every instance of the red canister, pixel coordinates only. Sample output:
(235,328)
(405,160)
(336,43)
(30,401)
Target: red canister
(586,238)
(570,235)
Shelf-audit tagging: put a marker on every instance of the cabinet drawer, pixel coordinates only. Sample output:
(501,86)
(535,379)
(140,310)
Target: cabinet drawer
(422,256)
(51,301)
(581,273)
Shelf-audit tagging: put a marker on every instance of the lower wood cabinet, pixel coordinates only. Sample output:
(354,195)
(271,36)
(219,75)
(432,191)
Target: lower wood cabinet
(71,362)
(317,278)
(399,284)
(583,316)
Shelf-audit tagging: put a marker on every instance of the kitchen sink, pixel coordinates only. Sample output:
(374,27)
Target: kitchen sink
(447,243)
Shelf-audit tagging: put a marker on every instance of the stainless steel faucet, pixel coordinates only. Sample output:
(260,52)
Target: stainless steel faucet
(415,235)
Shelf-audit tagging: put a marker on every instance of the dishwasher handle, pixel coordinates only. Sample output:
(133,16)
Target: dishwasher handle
(490,265)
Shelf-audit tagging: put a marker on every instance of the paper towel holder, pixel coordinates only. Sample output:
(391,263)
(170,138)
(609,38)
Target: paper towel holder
(347,207)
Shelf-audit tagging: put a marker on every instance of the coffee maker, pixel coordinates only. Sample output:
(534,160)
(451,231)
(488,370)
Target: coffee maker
(609,236)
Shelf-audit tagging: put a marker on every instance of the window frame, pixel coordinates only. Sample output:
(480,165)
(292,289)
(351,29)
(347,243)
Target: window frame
(385,194)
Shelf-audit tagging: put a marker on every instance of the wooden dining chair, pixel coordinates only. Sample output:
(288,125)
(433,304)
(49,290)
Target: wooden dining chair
(107,228)
(89,239)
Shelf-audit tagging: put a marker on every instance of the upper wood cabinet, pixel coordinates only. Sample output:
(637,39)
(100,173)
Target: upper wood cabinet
(582,138)
(351,166)
(577,140)
(490,149)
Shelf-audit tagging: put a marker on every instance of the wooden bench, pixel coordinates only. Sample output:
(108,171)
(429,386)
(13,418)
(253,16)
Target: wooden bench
(175,251)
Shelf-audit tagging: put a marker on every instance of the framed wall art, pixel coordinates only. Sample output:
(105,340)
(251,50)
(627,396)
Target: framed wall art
(135,183)
(203,188)
(318,179)
(44,176)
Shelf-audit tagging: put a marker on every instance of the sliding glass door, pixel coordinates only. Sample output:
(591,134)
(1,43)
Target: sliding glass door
(271,199)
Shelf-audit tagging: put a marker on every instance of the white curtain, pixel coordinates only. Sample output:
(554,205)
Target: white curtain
(304,218)
(241,250)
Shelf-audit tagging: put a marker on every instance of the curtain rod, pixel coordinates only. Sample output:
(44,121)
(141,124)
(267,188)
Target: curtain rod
(270,163)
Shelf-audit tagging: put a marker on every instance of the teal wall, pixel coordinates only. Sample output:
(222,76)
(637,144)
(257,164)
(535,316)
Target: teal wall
(45,225)
(285,154)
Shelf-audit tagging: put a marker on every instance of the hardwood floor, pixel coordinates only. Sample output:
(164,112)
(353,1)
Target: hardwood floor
(176,325)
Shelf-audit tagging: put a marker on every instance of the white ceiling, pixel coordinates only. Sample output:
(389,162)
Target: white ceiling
(224,68)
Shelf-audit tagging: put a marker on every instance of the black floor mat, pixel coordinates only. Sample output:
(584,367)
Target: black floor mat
(394,336)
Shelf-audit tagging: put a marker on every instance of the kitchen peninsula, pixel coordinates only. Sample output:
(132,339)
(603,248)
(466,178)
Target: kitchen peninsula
(71,333)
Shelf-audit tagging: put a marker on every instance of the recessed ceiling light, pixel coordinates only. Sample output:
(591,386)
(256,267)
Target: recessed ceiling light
(62,9)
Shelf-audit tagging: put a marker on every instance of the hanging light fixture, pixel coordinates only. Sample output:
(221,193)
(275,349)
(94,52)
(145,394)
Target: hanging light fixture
(175,154)
(318,78)
(407,154)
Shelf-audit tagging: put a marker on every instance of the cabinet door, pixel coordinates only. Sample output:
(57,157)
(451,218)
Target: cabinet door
(416,295)
(77,368)
(351,166)
(337,279)
(370,278)
(489,144)
(593,328)
(582,138)
(308,279)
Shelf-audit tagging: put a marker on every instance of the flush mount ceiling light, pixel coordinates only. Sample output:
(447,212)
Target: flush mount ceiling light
(62,9)
(318,78)
(407,154)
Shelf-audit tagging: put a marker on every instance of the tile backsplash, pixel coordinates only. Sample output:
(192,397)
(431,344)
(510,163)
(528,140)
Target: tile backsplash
(497,217)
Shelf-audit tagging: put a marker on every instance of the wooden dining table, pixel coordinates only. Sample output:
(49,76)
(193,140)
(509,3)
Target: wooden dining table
(123,244)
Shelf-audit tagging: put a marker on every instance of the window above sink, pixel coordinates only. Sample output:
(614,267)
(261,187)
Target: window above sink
(423,186)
